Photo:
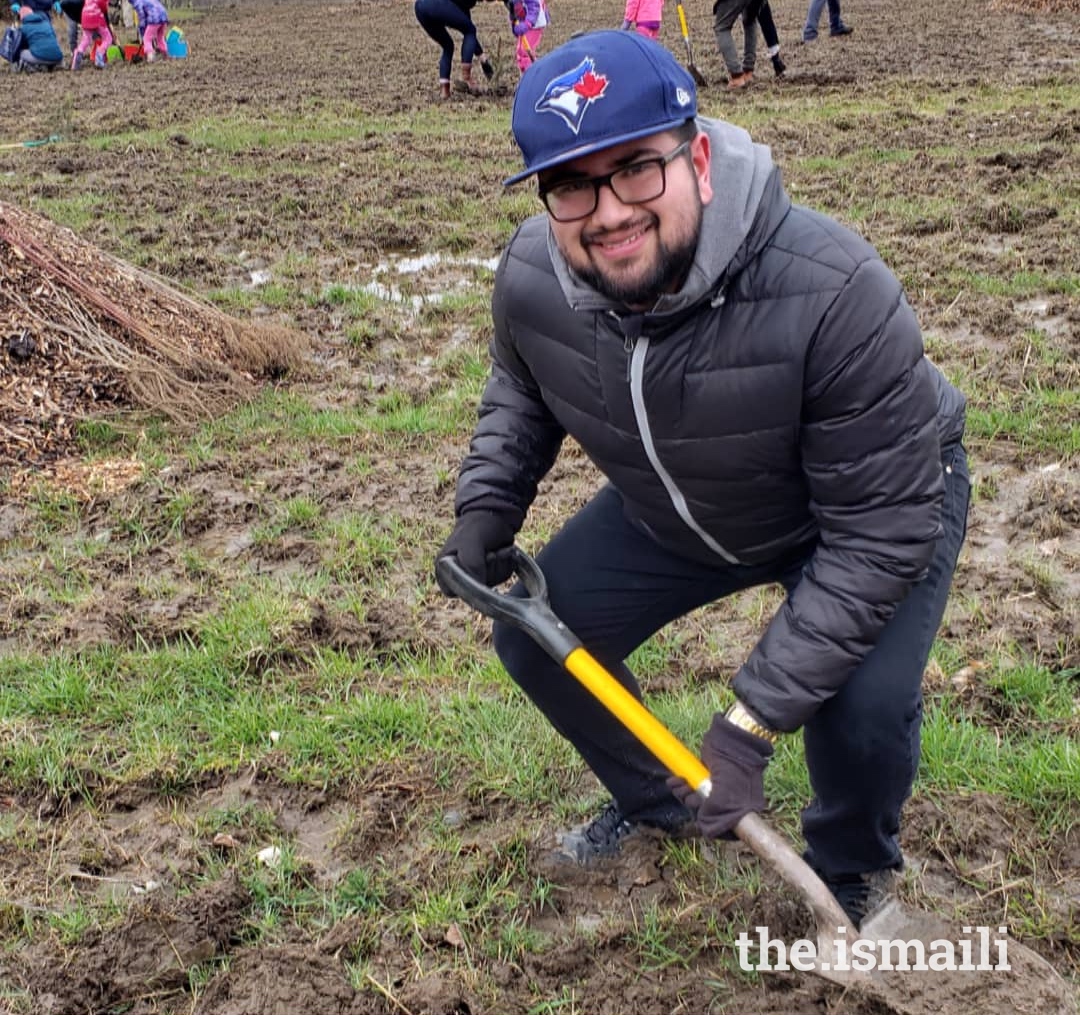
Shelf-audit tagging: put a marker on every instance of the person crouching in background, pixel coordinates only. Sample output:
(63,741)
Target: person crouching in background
(437,17)
(41,50)
(153,26)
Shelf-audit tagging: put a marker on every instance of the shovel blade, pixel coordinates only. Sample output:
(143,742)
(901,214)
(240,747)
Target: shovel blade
(926,965)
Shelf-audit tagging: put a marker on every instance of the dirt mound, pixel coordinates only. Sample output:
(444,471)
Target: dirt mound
(82,333)
(280,981)
(151,952)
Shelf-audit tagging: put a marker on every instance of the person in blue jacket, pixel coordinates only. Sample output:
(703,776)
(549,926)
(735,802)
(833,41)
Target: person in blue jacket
(46,7)
(40,49)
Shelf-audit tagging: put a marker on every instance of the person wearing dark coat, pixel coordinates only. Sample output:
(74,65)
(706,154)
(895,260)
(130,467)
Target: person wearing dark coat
(749,378)
(72,11)
(40,50)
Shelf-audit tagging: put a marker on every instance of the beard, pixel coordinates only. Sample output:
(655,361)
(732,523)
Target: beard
(664,275)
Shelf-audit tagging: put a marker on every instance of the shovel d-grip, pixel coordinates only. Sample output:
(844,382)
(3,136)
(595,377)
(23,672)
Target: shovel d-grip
(533,614)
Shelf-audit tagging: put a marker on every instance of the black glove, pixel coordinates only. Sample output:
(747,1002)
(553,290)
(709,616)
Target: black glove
(481,541)
(736,762)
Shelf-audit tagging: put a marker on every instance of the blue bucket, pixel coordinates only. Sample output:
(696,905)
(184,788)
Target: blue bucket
(175,44)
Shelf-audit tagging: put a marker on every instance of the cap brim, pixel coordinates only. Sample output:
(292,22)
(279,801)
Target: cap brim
(595,146)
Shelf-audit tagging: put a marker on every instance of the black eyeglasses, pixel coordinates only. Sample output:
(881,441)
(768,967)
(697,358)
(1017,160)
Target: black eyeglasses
(633,184)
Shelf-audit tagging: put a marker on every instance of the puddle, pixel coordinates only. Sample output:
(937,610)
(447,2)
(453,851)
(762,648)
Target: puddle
(424,262)
(1039,310)
(441,273)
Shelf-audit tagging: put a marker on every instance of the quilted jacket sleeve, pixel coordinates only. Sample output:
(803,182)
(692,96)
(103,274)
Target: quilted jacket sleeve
(872,462)
(516,439)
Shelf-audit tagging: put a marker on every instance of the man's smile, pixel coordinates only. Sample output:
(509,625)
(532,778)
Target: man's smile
(621,241)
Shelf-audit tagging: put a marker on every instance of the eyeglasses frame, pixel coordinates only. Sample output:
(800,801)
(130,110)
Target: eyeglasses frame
(604,179)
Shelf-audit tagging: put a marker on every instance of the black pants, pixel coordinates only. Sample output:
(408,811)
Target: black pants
(435,17)
(614,588)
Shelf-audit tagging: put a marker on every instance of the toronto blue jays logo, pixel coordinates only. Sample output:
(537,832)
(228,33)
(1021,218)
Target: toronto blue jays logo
(571,94)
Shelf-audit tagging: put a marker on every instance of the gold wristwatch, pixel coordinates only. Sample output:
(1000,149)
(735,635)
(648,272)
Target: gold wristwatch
(742,717)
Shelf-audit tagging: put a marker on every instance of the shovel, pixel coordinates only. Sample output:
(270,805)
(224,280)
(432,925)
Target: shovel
(690,65)
(843,956)
(33,144)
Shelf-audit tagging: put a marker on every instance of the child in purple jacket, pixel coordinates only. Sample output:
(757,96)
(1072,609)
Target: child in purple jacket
(528,19)
(153,25)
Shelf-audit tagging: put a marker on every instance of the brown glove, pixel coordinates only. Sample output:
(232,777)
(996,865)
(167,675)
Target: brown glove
(736,762)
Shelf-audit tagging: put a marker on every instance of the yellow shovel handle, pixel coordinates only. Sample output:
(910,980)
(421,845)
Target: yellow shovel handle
(682,22)
(667,747)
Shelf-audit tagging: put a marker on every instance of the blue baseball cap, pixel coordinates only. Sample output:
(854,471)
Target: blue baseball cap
(595,91)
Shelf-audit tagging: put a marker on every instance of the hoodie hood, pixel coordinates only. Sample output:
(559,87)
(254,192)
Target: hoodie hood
(741,170)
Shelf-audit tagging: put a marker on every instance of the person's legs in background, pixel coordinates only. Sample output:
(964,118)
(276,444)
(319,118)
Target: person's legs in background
(771,36)
(86,39)
(836,23)
(749,60)
(528,48)
(813,18)
(725,13)
(431,14)
(153,37)
(470,50)
(72,33)
(105,40)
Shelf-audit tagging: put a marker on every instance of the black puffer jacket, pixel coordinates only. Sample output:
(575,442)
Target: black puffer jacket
(781,399)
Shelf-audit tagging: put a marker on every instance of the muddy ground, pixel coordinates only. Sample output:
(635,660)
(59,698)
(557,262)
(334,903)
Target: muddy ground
(210,229)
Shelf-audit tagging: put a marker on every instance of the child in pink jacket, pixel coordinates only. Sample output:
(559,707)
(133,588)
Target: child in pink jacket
(528,19)
(95,24)
(644,16)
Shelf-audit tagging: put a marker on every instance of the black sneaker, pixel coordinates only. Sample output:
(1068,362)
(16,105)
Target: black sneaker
(601,837)
(860,895)
(604,836)
(842,30)
(485,66)
(778,66)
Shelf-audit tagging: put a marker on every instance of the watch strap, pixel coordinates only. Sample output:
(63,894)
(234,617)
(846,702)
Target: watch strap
(742,717)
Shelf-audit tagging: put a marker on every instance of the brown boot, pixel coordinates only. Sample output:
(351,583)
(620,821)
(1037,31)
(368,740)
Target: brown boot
(444,89)
(466,82)
(739,81)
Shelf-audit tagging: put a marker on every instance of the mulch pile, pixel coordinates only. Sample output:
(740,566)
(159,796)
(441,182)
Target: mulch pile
(85,335)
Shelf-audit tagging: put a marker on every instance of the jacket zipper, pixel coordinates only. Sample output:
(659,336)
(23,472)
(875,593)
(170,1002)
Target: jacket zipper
(636,376)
